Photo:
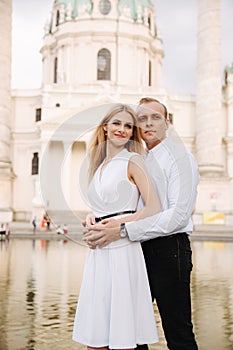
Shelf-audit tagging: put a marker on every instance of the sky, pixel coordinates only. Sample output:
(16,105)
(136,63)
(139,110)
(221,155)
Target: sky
(176,20)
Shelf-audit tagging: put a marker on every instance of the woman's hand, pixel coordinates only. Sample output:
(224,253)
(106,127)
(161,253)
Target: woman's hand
(90,220)
(101,234)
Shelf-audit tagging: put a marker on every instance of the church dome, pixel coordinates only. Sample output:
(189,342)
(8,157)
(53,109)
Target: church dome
(94,43)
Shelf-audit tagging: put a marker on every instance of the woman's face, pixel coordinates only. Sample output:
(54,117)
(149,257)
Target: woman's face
(120,128)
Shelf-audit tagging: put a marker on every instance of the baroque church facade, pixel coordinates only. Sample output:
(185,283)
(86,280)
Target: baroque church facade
(97,52)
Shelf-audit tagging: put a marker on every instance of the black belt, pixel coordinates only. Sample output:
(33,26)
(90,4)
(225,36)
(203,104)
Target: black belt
(114,214)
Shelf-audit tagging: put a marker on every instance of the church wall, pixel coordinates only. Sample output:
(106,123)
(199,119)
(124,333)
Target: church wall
(183,111)
(125,58)
(23,183)
(229,155)
(45,69)
(24,104)
(25,141)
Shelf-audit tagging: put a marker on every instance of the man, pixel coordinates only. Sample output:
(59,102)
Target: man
(164,236)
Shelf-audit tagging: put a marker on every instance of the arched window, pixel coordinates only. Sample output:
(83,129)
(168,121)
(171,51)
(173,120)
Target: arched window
(35,164)
(104,65)
(150,74)
(55,71)
(57,18)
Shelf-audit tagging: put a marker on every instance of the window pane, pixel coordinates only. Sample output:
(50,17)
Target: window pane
(55,71)
(38,114)
(35,164)
(104,65)
(149,73)
(57,18)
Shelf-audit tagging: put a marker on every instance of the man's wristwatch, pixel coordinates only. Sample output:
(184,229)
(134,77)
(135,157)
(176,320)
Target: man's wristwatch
(123,232)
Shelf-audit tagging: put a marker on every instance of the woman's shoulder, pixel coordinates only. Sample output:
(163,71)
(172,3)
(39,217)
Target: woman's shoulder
(136,160)
(133,156)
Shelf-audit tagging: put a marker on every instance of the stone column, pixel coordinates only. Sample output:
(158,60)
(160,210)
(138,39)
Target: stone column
(209,115)
(66,171)
(5,111)
(229,109)
(229,99)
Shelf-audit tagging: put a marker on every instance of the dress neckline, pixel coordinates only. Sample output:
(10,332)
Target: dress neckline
(101,170)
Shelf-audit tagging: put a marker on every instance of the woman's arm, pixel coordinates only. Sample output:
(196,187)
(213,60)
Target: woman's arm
(108,230)
(138,174)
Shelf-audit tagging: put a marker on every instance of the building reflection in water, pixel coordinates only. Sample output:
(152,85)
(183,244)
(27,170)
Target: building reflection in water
(212,285)
(40,281)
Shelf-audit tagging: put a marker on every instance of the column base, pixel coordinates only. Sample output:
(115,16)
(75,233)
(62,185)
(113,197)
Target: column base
(212,170)
(6,215)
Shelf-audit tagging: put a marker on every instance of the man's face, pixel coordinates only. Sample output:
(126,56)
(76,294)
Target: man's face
(152,123)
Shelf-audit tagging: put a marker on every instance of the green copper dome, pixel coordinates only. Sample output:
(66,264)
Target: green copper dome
(137,10)
(75,5)
(229,69)
(137,7)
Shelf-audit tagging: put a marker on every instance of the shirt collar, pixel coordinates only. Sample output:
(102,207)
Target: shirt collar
(157,148)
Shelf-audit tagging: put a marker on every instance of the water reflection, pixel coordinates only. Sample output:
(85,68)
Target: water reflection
(40,280)
(213,294)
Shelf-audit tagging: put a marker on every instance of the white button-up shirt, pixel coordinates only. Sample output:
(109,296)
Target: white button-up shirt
(175,174)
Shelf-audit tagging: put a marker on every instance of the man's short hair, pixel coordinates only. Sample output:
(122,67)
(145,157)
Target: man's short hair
(151,99)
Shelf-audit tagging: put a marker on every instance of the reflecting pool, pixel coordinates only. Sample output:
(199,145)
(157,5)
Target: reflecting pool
(40,281)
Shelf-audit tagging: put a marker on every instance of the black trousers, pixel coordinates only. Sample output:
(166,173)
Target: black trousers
(169,265)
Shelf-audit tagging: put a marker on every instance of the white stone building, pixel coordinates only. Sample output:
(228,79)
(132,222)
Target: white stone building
(98,52)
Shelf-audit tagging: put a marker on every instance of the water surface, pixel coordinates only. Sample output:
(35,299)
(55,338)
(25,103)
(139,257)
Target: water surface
(40,281)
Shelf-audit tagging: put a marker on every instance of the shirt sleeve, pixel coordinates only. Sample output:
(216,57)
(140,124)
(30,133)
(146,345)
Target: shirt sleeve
(181,195)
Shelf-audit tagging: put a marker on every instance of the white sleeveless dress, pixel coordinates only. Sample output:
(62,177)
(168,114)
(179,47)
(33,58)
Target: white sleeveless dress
(114,305)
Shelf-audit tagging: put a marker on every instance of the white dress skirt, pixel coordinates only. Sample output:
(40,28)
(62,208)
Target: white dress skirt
(114,306)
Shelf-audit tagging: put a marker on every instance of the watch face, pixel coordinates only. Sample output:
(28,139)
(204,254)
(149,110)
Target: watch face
(104,7)
(123,233)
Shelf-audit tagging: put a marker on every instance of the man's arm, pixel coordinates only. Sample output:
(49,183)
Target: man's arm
(182,193)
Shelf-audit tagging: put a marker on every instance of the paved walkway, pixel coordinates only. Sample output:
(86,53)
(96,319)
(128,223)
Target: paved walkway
(201,232)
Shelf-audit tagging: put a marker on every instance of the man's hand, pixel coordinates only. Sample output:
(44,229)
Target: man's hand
(101,234)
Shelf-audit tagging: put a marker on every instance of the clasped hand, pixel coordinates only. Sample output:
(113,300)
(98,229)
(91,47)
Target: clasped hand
(100,234)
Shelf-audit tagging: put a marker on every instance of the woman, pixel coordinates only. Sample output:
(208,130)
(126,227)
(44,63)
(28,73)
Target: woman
(114,308)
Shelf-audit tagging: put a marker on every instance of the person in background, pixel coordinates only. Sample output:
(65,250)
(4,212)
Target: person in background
(8,231)
(164,236)
(48,221)
(3,230)
(34,224)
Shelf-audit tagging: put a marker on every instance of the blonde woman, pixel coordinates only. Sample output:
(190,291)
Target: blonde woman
(114,307)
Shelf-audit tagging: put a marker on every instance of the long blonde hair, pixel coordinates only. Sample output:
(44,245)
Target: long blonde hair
(97,149)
